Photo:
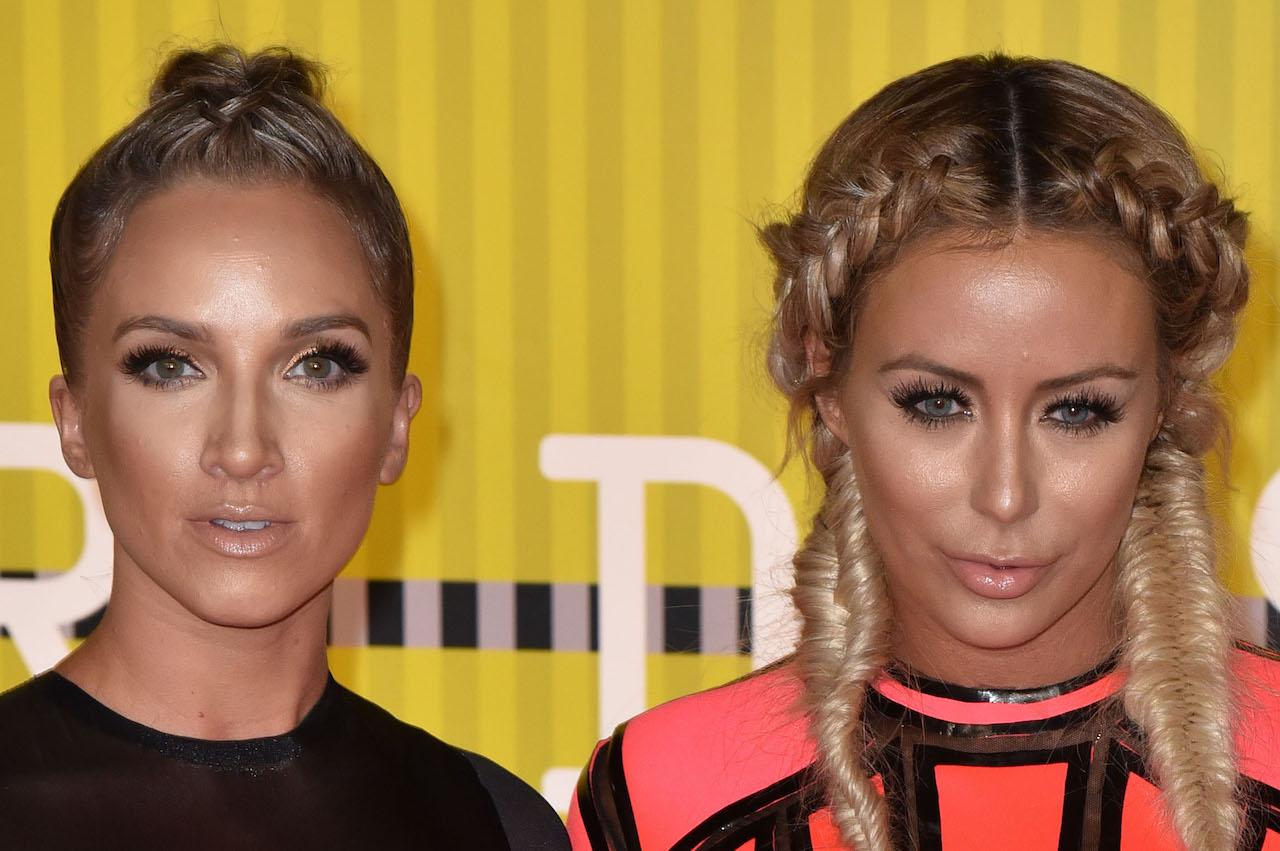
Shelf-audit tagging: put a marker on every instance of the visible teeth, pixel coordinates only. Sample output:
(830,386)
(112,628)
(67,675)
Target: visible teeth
(245,526)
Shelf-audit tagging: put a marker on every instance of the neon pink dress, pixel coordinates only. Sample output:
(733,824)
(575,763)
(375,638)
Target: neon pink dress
(1044,769)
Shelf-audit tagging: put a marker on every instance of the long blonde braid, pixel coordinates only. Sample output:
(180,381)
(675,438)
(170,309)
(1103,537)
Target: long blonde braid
(1179,640)
(842,648)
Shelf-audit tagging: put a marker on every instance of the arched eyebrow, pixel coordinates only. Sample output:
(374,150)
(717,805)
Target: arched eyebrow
(152,322)
(1106,370)
(200,333)
(316,324)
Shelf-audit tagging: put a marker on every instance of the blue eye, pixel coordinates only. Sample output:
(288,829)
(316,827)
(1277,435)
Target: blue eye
(1083,414)
(933,404)
(939,407)
(1073,415)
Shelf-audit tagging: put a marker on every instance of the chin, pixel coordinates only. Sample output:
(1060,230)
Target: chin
(250,608)
(1001,627)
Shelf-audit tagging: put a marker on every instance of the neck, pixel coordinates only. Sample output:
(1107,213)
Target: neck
(155,662)
(1076,644)
(1006,668)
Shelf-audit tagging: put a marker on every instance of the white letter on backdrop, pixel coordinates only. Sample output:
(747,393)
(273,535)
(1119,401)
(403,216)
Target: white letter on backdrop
(621,466)
(1264,541)
(34,610)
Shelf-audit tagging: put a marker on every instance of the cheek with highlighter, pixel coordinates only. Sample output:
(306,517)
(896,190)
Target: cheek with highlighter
(161,463)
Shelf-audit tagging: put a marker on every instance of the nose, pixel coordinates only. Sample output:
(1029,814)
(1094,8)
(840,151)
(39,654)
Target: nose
(241,441)
(1005,486)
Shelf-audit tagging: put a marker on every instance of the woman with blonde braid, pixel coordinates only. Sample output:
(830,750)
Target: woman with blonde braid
(998,312)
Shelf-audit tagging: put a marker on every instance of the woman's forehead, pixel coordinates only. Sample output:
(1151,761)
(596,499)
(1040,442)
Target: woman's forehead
(1043,298)
(237,256)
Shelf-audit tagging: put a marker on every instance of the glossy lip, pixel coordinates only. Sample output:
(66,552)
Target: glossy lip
(241,513)
(249,544)
(997,577)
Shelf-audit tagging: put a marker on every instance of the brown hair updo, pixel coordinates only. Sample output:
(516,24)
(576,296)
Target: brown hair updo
(231,117)
(989,148)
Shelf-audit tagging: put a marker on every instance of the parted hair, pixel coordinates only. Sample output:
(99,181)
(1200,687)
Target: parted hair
(223,115)
(989,148)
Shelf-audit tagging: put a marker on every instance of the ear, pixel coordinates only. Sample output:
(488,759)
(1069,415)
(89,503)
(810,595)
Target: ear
(67,417)
(828,400)
(397,453)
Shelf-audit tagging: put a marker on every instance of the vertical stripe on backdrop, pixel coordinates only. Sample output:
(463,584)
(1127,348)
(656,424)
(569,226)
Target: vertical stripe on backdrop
(23,286)
(41,165)
(489,428)
(755,203)
(422,614)
(678,510)
(494,357)
(454,178)
(454,181)
(607,326)
(532,327)
(572,505)
(715,280)
(372,79)
(1249,378)
(494,385)
(641,165)
(415,178)
(1061,25)
(984,23)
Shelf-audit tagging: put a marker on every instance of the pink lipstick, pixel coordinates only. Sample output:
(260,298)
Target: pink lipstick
(997,578)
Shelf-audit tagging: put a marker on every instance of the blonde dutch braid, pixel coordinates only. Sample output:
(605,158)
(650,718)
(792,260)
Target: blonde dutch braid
(1178,644)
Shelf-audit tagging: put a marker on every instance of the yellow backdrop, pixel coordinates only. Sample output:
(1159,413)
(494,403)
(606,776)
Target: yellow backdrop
(581,178)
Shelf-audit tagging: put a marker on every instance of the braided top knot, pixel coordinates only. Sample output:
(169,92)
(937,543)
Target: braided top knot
(225,85)
(230,117)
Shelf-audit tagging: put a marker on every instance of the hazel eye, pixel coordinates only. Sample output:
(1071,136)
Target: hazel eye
(315,368)
(166,370)
(161,368)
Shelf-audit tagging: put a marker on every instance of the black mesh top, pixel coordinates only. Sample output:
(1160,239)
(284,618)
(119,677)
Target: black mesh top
(75,774)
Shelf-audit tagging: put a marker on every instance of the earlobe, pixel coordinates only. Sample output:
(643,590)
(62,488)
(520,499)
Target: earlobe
(397,454)
(828,405)
(68,420)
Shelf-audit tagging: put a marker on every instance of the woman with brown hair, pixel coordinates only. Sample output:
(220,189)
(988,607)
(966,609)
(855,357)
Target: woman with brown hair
(233,297)
(998,312)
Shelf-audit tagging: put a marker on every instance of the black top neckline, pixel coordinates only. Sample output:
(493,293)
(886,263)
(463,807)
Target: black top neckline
(227,754)
(915,681)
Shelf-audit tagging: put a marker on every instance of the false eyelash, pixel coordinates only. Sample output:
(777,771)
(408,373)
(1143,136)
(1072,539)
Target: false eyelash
(347,357)
(911,393)
(1106,411)
(343,354)
(137,360)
